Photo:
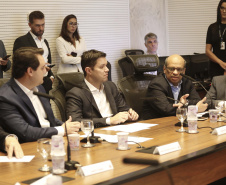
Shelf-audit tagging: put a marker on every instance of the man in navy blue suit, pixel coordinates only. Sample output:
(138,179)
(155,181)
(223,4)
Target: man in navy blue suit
(22,113)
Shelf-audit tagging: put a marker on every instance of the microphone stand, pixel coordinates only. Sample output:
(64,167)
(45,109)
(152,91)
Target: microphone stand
(69,164)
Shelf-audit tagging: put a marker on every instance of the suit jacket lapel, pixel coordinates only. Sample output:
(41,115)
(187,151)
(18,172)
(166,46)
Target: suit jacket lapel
(110,98)
(23,96)
(89,96)
(31,40)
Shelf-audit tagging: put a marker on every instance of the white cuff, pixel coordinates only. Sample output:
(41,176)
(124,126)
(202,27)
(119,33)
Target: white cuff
(60,130)
(108,121)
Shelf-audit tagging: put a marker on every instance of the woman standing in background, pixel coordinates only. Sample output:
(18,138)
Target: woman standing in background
(70,46)
(215,42)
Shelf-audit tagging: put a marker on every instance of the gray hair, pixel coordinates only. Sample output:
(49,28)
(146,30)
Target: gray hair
(150,35)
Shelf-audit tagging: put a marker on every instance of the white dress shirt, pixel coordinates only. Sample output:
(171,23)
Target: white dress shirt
(101,101)
(68,63)
(42,117)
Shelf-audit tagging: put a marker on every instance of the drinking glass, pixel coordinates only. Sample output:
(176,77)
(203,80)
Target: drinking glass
(87,127)
(220,106)
(181,114)
(43,148)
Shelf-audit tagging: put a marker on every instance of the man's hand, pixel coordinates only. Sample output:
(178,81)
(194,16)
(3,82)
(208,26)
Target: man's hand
(72,127)
(132,115)
(201,105)
(183,99)
(121,117)
(3,62)
(13,146)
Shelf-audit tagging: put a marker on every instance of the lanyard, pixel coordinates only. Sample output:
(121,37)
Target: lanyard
(221,36)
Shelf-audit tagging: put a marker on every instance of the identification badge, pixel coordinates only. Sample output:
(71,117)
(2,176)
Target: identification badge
(222,45)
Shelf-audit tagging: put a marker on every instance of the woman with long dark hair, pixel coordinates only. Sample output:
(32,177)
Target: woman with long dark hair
(70,46)
(215,42)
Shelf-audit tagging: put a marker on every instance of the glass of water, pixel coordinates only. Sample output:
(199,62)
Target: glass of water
(181,114)
(87,127)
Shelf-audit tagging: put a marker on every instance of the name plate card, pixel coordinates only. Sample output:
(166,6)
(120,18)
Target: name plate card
(164,149)
(219,131)
(96,168)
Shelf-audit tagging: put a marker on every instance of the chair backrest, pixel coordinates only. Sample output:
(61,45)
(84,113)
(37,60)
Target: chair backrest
(134,52)
(70,80)
(134,87)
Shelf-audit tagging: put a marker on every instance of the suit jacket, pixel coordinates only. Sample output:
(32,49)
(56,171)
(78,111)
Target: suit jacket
(81,103)
(28,41)
(3,54)
(18,116)
(158,105)
(217,90)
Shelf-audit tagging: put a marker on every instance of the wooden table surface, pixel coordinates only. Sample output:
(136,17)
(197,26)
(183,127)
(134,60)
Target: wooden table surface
(163,133)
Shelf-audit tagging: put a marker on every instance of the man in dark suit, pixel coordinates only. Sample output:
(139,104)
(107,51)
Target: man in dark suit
(168,86)
(97,98)
(22,113)
(4,64)
(34,39)
(10,144)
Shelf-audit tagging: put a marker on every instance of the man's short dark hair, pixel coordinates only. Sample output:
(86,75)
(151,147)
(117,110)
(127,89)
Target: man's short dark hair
(35,15)
(24,58)
(89,59)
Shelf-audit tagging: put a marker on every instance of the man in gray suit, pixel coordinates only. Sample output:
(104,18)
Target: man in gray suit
(97,98)
(4,64)
(217,90)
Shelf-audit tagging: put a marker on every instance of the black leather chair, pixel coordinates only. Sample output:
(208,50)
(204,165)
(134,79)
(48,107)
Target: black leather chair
(134,86)
(66,82)
(125,63)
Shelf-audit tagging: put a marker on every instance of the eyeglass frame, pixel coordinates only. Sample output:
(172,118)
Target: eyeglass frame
(73,24)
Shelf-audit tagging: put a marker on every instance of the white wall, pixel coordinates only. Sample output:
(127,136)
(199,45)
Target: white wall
(148,16)
(103,23)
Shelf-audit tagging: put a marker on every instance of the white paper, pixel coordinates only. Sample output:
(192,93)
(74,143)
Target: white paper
(134,127)
(27,158)
(219,131)
(201,114)
(114,138)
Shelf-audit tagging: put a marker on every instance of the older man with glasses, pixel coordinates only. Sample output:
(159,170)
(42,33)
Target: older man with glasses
(169,91)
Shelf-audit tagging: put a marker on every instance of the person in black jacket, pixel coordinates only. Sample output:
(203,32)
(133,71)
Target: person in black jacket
(168,86)
(34,38)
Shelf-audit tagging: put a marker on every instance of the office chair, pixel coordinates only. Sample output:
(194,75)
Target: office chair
(134,87)
(66,82)
(125,63)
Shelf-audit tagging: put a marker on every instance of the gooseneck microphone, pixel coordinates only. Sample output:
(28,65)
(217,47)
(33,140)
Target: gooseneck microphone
(43,95)
(192,79)
(69,164)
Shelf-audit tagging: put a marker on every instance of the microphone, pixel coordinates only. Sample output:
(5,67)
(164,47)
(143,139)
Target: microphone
(192,79)
(93,139)
(43,95)
(69,164)
(141,161)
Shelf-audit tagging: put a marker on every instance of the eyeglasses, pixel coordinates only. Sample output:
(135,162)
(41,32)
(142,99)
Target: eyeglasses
(223,8)
(172,69)
(73,24)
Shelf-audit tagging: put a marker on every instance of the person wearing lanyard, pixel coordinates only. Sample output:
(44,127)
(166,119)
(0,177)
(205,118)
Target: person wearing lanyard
(215,42)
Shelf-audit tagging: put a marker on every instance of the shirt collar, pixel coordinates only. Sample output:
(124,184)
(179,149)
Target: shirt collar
(27,91)
(35,37)
(92,88)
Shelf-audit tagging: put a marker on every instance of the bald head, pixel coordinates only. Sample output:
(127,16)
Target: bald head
(174,65)
(175,58)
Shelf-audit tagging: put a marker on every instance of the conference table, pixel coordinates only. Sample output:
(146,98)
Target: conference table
(201,159)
